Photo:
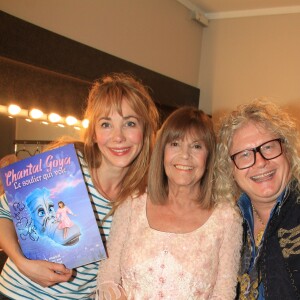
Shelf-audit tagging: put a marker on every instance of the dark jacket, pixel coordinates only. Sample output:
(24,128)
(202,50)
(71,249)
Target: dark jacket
(276,263)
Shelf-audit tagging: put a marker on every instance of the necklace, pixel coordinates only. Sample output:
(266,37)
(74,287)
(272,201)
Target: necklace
(260,234)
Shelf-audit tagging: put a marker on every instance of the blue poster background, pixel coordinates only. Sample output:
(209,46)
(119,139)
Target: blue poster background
(59,172)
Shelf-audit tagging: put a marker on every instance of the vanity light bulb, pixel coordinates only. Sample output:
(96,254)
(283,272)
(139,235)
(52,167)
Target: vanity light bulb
(14,109)
(35,113)
(71,120)
(85,123)
(53,117)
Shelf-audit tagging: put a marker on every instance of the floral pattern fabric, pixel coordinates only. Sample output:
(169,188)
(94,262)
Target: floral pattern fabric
(151,264)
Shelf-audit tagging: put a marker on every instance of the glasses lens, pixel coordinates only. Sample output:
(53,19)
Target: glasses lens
(244,159)
(270,149)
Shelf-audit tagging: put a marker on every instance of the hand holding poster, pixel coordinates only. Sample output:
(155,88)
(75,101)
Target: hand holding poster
(51,208)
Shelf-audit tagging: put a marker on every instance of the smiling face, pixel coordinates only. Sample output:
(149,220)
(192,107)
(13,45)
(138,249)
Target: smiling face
(119,137)
(185,162)
(266,179)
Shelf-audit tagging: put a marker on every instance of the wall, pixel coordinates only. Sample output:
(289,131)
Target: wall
(7,135)
(246,58)
(158,35)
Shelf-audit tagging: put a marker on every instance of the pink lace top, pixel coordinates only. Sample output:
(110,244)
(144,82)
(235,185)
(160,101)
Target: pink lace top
(151,264)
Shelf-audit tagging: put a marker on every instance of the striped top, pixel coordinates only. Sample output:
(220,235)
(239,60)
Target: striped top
(15,285)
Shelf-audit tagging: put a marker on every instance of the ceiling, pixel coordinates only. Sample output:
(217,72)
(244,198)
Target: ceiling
(218,6)
(205,10)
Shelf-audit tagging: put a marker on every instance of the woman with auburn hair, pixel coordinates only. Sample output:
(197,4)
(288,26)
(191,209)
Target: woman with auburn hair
(114,157)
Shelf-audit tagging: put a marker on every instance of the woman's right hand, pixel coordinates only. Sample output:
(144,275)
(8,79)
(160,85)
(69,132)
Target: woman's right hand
(43,272)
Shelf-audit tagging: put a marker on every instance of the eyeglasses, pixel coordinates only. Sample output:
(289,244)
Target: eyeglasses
(247,158)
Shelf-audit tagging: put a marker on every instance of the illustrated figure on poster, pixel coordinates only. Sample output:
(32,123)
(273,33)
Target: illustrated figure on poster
(44,218)
(62,216)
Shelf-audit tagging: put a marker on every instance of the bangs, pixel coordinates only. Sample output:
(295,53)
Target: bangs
(109,104)
(112,101)
(182,129)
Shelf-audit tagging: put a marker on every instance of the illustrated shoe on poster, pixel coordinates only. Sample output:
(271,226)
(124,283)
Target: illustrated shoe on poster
(51,229)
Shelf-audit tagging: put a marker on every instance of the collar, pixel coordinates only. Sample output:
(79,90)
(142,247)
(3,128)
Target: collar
(245,206)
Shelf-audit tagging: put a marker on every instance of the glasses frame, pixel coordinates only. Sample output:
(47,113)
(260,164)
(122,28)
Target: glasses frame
(258,149)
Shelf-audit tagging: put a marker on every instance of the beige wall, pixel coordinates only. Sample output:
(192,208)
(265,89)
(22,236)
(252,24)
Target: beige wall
(157,34)
(246,58)
(241,58)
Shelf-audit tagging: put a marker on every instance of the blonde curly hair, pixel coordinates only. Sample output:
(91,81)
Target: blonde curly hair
(270,116)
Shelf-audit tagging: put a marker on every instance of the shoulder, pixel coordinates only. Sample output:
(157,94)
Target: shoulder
(228,212)
(132,204)
(138,200)
(134,201)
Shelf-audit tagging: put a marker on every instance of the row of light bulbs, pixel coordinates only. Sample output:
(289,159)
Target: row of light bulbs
(14,110)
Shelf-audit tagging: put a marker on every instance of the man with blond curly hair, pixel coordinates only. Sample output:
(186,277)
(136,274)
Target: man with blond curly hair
(258,164)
